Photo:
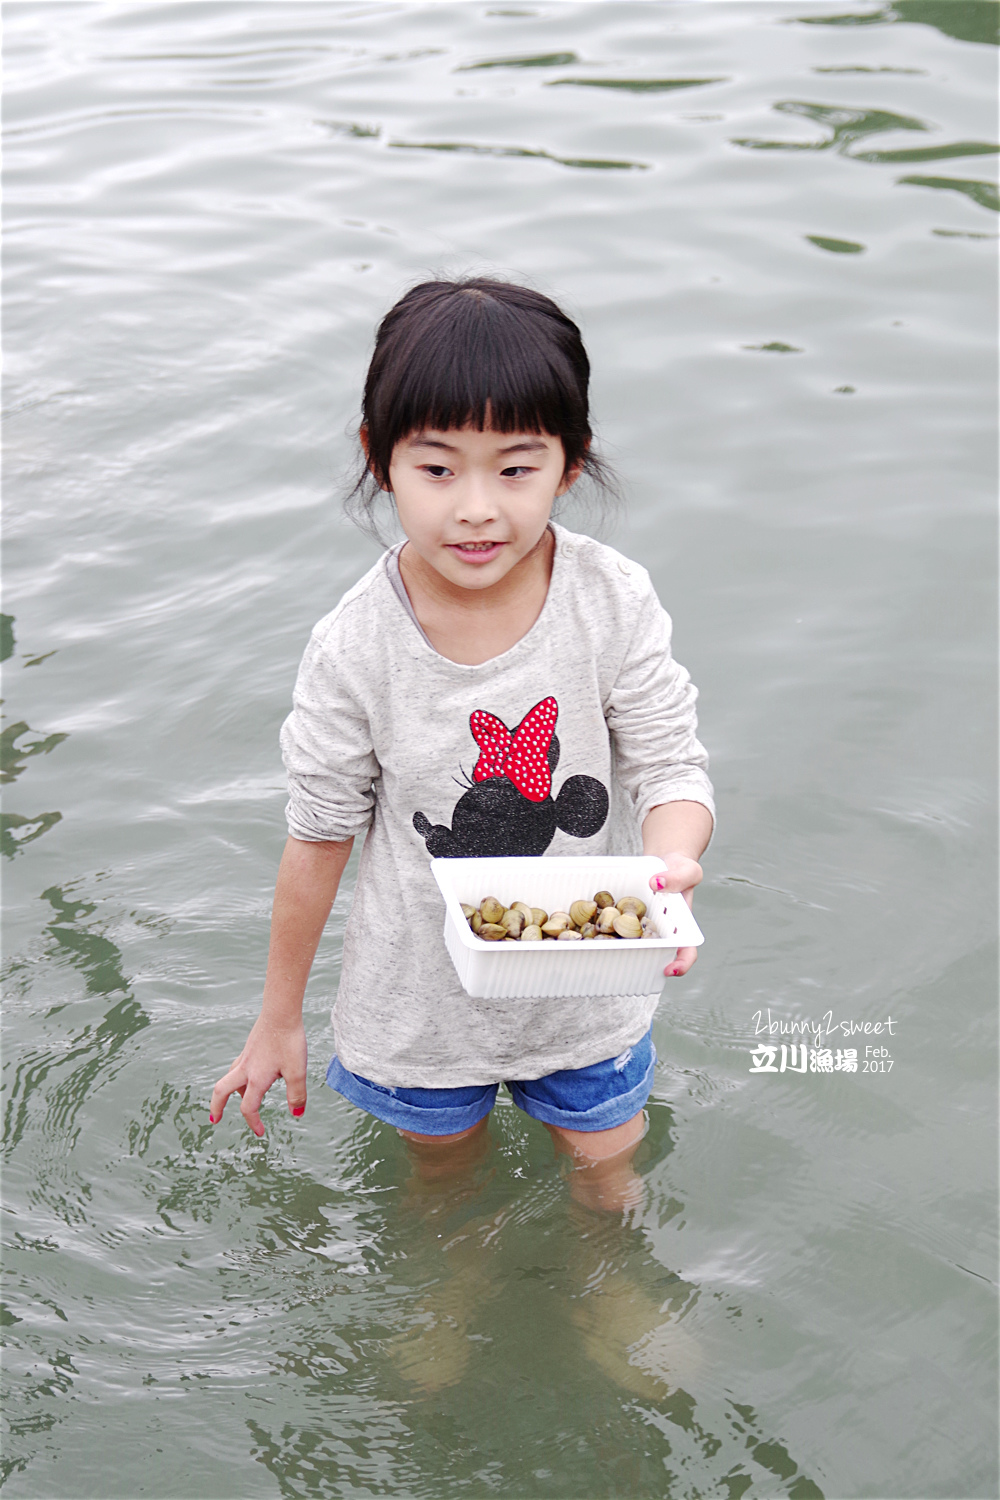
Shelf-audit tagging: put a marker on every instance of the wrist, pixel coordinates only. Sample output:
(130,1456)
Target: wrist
(677,830)
(280,1012)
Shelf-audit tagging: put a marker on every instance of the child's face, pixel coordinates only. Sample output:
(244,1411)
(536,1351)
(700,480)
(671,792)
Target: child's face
(475,504)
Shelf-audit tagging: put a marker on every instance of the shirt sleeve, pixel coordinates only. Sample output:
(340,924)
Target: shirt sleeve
(651,715)
(326,744)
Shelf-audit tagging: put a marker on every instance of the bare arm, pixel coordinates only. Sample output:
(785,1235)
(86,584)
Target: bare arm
(308,878)
(678,832)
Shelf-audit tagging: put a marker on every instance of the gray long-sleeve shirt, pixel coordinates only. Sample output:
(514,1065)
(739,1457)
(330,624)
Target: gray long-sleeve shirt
(561,745)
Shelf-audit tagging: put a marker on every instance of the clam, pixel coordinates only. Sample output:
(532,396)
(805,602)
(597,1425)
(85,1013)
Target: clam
(583,911)
(627,925)
(601,919)
(632,904)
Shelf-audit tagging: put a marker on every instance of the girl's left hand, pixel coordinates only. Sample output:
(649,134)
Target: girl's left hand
(682,874)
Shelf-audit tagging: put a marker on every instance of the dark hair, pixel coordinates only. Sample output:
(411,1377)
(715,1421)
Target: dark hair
(472,353)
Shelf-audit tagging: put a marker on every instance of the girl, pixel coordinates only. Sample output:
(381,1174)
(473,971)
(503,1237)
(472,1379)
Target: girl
(491,641)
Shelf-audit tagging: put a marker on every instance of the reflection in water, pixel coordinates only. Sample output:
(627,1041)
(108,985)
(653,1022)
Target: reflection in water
(13,755)
(540,60)
(634,85)
(845,126)
(597,163)
(966,20)
(986,194)
(17,829)
(836,247)
(463,1298)
(98,958)
(91,1055)
(929,153)
(848,68)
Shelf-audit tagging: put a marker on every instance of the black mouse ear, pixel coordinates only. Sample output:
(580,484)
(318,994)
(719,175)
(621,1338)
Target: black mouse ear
(553,753)
(582,806)
(440,840)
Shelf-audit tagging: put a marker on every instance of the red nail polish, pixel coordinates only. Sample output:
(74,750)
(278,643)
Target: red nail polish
(211,1119)
(297,1112)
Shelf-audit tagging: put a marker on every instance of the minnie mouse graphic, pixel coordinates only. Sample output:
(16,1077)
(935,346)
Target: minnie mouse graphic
(509,808)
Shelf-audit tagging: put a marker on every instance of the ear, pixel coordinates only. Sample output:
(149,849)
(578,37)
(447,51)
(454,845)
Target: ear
(366,445)
(573,473)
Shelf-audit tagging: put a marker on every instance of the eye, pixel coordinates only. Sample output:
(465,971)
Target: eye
(515,471)
(436,471)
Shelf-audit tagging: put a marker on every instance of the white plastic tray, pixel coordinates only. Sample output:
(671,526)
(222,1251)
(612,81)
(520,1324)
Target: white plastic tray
(628,966)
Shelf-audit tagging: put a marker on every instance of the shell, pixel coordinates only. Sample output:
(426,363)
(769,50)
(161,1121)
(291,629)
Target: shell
(532,934)
(557,923)
(583,911)
(627,925)
(492,932)
(632,904)
(476,921)
(492,909)
(525,911)
(467,912)
(569,935)
(538,916)
(605,919)
(588,930)
(603,899)
(513,921)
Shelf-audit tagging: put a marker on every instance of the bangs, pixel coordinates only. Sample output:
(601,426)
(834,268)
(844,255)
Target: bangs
(472,360)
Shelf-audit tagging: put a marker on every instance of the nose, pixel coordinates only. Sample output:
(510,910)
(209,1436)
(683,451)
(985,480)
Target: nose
(475,502)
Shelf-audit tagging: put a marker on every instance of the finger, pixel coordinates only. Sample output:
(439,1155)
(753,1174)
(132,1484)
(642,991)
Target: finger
(253,1097)
(227,1085)
(295,1090)
(683,960)
(682,874)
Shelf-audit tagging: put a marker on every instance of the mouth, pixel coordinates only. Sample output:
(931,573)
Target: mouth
(477,552)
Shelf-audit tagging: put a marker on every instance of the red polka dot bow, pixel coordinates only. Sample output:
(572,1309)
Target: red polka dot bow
(522,756)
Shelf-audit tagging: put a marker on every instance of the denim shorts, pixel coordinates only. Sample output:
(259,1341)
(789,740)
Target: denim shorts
(597,1097)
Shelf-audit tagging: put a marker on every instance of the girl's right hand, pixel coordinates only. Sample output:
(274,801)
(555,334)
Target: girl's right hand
(271,1052)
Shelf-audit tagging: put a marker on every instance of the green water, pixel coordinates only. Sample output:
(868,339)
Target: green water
(776,224)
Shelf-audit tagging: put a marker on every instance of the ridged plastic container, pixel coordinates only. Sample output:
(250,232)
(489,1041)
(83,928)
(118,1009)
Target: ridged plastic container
(526,971)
